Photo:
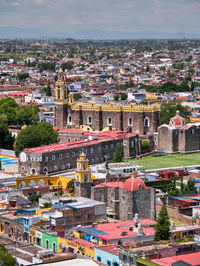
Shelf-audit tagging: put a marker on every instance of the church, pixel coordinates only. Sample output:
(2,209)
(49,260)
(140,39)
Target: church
(178,136)
(123,199)
(101,117)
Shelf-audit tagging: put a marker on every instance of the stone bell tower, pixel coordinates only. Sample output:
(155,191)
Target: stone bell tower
(61,102)
(83,180)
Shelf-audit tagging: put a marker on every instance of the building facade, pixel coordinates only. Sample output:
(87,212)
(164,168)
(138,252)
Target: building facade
(62,156)
(178,136)
(123,200)
(98,117)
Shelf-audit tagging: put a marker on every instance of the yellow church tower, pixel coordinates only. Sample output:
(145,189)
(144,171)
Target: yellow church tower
(61,87)
(83,171)
(83,180)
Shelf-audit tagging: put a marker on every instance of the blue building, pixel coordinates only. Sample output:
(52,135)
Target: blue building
(108,255)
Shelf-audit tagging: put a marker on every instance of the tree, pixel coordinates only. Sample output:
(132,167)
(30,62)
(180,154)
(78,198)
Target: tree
(9,108)
(46,205)
(163,225)
(77,96)
(116,97)
(34,198)
(123,96)
(27,115)
(47,90)
(35,136)
(145,145)
(70,186)
(6,139)
(119,154)
(6,259)
(147,68)
(168,110)
(47,133)
(22,76)
(67,65)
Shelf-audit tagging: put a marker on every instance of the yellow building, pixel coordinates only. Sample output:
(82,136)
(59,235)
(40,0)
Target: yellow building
(22,182)
(78,246)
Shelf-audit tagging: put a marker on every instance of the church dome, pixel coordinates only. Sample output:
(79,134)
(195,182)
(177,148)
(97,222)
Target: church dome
(177,121)
(134,183)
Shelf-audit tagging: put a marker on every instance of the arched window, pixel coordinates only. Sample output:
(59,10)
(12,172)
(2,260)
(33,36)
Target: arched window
(69,119)
(45,170)
(89,120)
(109,121)
(60,156)
(46,159)
(130,122)
(53,157)
(146,122)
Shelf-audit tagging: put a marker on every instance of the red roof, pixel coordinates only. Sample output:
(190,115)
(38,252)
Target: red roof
(18,93)
(111,249)
(106,136)
(192,258)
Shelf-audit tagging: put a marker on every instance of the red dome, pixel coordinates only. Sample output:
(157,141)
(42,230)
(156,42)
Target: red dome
(132,184)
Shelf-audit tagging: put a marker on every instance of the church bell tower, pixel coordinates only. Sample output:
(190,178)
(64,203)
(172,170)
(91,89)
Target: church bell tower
(61,102)
(83,178)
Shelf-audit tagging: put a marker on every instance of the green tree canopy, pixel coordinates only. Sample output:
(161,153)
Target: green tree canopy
(116,97)
(47,90)
(123,96)
(6,139)
(22,76)
(11,114)
(27,115)
(9,108)
(34,198)
(67,65)
(77,96)
(35,136)
(163,225)
(168,110)
(6,259)
(46,205)
(119,154)
(70,186)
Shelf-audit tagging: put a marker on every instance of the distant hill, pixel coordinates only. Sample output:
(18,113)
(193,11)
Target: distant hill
(21,33)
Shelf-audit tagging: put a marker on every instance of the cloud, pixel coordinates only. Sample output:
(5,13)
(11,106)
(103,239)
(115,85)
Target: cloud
(15,4)
(110,15)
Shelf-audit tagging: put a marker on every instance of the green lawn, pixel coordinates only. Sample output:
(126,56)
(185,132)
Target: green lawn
(171,160)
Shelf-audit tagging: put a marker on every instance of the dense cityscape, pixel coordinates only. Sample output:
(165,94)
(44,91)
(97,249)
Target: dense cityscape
(100,152)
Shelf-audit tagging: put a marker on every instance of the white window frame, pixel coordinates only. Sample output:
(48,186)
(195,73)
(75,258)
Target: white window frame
(88,120)
(108,122)
(130,124)
(148,123)
(68,120)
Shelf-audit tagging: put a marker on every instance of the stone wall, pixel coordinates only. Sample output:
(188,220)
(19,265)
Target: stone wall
(139,201)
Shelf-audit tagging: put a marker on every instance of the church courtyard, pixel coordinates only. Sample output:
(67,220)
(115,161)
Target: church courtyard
(170,160)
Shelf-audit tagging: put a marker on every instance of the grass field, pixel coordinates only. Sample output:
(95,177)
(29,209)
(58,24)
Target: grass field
(171,160)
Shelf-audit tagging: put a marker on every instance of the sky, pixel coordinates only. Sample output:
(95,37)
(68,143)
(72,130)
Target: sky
(107,15)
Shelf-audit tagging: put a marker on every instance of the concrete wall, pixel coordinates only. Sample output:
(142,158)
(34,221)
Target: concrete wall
(7,152)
